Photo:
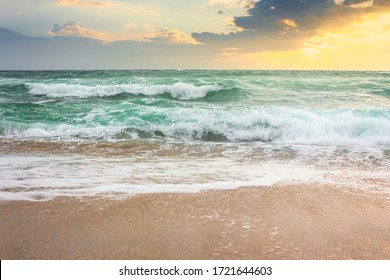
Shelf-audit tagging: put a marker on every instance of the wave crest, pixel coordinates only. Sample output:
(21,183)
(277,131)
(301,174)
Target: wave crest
(274,124)
(180,90)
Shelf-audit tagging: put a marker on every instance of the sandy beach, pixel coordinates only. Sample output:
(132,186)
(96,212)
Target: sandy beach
(279,222)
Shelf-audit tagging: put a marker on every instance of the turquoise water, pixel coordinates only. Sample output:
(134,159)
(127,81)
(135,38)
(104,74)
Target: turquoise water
(267,106)
(308,118)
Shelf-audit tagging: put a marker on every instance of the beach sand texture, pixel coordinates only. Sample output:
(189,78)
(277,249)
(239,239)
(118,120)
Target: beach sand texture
(280,222)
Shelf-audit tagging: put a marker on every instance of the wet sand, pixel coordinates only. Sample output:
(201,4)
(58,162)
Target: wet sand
(280,222)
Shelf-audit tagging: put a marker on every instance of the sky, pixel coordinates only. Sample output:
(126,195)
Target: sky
(195,34)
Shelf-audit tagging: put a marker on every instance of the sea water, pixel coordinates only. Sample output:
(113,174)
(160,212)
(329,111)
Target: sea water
(117,133)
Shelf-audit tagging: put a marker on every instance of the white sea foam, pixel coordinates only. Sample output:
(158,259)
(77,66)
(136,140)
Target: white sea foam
(272,124)
(50,131)
(180,90)
(281,125)
(46,177)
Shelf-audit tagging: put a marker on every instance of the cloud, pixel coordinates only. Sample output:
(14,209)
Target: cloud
(268,16)
(83,3)
(360,4)
(9,35)
(288,21)
(161,34)
(249,41)
(20,52)
(73,28)
(147,33)
(229,4)
(130,25)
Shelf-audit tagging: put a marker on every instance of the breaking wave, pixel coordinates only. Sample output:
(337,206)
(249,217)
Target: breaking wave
(268,124)
(180,90)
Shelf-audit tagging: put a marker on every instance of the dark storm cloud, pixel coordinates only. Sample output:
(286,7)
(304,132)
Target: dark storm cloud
(290,21)
(268,15)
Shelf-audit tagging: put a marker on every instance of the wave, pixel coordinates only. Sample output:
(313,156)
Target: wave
(281,125)
(180,90)
(269,124)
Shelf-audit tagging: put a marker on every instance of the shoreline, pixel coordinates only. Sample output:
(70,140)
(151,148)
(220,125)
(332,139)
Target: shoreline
(278,222)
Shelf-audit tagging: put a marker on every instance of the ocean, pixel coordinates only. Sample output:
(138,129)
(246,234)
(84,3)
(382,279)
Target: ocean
(120,133)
